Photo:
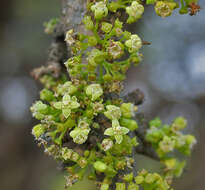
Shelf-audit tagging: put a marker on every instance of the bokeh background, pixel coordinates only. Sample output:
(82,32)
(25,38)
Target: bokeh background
(172,77)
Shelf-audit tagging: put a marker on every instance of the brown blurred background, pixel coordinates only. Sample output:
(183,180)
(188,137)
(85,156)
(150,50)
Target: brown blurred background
(172,77)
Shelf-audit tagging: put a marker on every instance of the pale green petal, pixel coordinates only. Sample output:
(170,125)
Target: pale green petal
(118,138)
(74,105)
(66,99)
(124,130)
(115,123)
(109,132)
(66,112)
(58,105)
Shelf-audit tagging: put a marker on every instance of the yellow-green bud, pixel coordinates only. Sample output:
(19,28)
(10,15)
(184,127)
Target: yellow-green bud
(120,186)
(134,11)
(92,41)
(106,27)
(38,130)
(104,187)
(134,43)
(164,8)
(129,123)
(100,10)
(88,22)
(95,91)
(139,179)
(127,110)
(113,112)
(100,166)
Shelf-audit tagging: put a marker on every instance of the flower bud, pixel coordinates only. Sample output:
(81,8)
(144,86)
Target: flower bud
(79,135)
(134,43)
(95,91)
(128,177)
(100,10)
(107,144)
(100,166)
(179,124)
(88,23)
(129,123)
(120,186)
(166,145)
(127,110)
(92,41)
(164,8)
(133,186)
(134,11)
(113,112)
(114,6)
(95,57)
(115,49)
(106,27)
(139,179)
(38,130)
(104,187)
(66,88)
(46,95)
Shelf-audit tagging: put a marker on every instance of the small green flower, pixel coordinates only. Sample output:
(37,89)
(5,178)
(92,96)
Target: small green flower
(129,123)
(133,186)
(66,153)
(67,104)
(114,6)
(72,62)
(47,95)
(113,112)
(154,134)
(95,57)
(155,123)
(39,109)
(115,49)
(83,124)
(134,43)
(127,109)
(179,124)
(120,186)
(135,11)
(97,107)
(107,144)
(66,88)
(190,141)
(104,186)
(116,131)
(88,22)
(79,135)
(100,10)
(38,130)
(164,8)
(106,27)
(167,144)
(139,179)
(95,91)
(92,41)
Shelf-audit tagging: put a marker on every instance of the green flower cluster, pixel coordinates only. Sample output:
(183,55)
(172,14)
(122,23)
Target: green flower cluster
(82,126)
(165,8)
(167,138)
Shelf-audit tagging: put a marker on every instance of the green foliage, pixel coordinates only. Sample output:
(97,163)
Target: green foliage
(84,128)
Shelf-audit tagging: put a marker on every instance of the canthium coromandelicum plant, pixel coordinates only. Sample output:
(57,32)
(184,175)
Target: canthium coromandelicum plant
(84,122)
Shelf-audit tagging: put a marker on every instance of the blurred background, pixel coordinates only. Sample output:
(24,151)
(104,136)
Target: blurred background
(172,76)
